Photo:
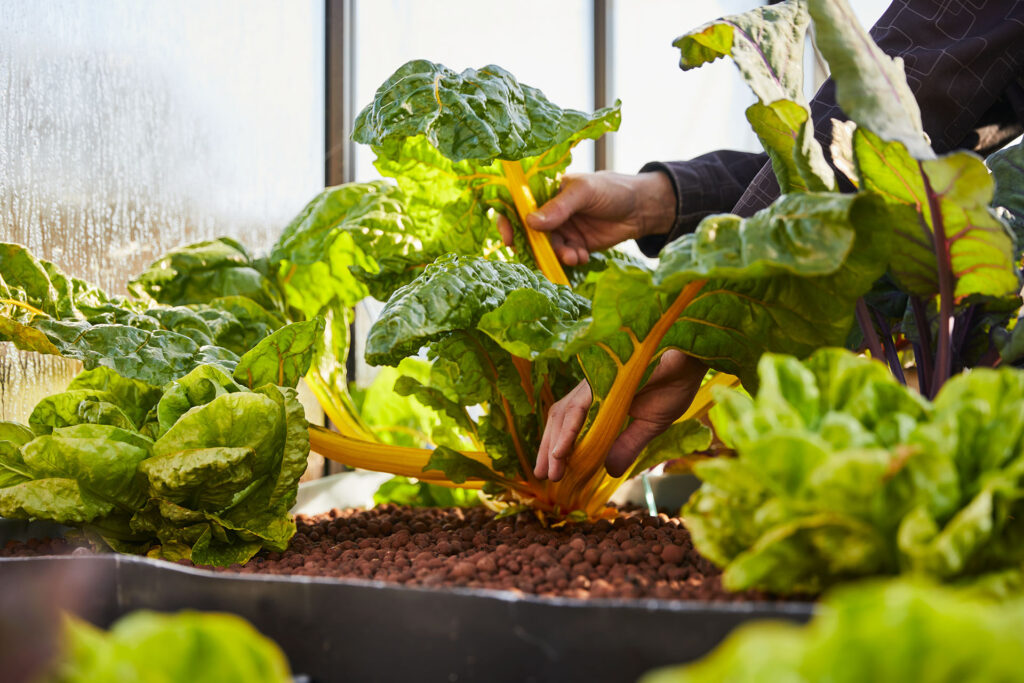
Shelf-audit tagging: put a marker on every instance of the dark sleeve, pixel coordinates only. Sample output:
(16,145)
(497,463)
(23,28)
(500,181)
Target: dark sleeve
(965,65)
(708,184)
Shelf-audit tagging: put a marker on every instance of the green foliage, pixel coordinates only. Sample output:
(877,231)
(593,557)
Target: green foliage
(767,46)
(186,647)
(417,126)
(403,491)
(508,120)
(883,631)
(200,468)
(843,472)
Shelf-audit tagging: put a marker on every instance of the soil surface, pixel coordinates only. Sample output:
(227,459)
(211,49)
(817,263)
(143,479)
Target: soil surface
(637,556)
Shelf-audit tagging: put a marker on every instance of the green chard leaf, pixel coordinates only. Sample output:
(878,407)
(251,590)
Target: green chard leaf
(767,46)
(1007,167)
(43,310)
(505,119)
(871,87)
(201,272)
(453,294)
(518,143)
(283,357)
(977,248)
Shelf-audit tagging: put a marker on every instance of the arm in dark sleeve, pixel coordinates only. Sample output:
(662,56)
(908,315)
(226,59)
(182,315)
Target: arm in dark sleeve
(708,184)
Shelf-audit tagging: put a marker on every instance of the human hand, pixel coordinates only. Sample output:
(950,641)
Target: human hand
(595,211)
(665,397)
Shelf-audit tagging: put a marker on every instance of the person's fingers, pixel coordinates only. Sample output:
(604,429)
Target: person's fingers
(566,254)
(575,240)
(505,228)
(577,194)
(543,466)
(573,414)
(628,445)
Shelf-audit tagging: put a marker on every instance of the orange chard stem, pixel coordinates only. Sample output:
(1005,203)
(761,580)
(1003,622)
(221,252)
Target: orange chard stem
(519,186)
(586,462)
(525,378)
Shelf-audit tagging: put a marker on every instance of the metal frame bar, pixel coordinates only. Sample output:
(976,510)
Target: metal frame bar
(339,112)
(604,42)
(339,89)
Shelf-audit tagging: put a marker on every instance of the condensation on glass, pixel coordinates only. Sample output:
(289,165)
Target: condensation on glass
(127,128)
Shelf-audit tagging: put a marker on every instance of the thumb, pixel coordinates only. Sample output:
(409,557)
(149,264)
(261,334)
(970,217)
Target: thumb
(576,195)
(628,445)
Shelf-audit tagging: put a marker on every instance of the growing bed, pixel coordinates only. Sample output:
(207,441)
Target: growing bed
(358,629)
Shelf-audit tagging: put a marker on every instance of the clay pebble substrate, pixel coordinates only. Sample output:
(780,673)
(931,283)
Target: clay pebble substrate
(637,556)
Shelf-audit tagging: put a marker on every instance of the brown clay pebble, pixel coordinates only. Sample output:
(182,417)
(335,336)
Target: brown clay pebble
(637,556)
(673,554)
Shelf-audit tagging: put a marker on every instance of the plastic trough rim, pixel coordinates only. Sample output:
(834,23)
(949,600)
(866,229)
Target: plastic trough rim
(782,607)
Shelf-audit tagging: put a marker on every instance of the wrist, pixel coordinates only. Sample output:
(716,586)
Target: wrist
(656,203)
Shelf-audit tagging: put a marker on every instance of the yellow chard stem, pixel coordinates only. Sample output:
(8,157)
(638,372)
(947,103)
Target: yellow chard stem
(365,455)
(519,186)
(585,464)
(340,414)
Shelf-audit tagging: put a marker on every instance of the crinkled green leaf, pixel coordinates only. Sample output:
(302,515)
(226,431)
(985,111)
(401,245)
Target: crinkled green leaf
(283,357)
(57,499)
(134,397)
(452,294)
(1007,167)
(294,454)
(480,114)
(237,322)
(871,87)
(359,229)
(418,127)
(807,553)
(198,273)
(101,458)
(234,420)
(198,387)
(843,472)
(78,406)
(200,479)
(785,280)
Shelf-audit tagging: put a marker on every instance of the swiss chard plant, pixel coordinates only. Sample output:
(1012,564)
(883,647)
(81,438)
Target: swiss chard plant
(841,470)
(505,341)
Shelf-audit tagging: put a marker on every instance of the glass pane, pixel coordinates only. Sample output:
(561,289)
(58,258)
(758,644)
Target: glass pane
(129,128)
(668,114)
(553,54)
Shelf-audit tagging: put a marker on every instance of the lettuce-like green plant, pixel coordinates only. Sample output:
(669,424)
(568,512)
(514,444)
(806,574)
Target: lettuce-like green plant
(881,631)
(843,472)
(201,468)
(186,647)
